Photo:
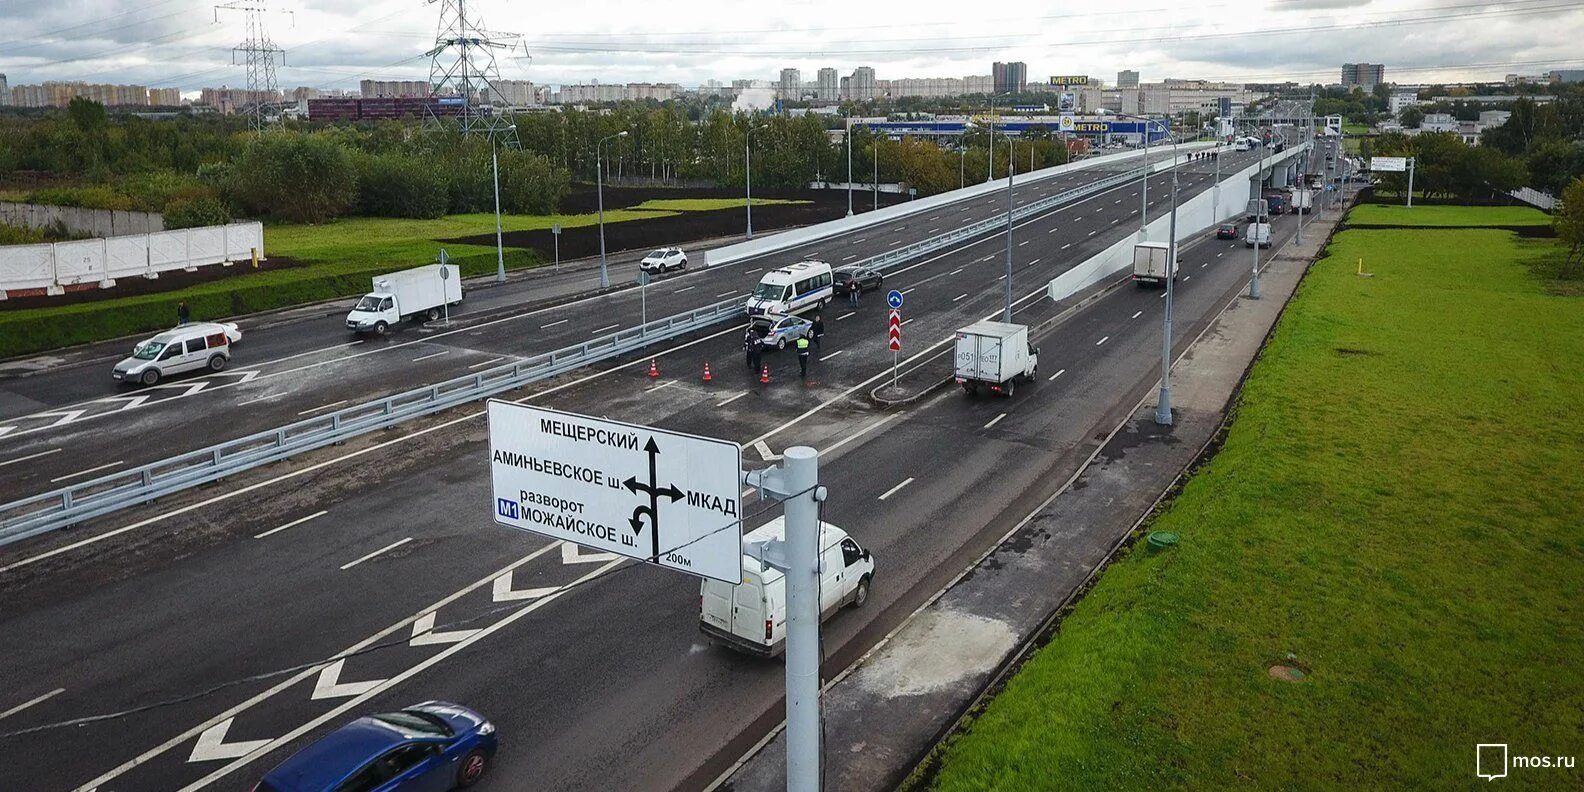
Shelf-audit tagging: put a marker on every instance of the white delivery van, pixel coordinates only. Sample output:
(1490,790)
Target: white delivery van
(198,345)
(792,289)
(1258,234)
(1150,260)
(995,355)
(418,293)
(751,616)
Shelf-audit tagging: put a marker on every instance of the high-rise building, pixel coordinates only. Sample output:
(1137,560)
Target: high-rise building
(394,89)
(5,91)
(516,93)
(863,86)
(978,84)
(165,97)
(1566,75)
(60,94)
(1363,75)
(1009,77)
(1127,78)
(829,87)
(790,85)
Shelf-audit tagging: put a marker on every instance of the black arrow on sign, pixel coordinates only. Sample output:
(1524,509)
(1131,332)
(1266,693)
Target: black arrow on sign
(652,487)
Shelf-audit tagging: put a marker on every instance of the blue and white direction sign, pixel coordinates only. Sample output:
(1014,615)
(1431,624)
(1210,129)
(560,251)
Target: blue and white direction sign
(667,498)
(894,299)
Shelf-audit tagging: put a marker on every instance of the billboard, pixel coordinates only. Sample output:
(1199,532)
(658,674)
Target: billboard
(1067,102)
(1075,79)
(1396,164)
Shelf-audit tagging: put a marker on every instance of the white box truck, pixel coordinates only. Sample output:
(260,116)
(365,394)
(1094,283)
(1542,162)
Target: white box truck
(751,616)
(1302,200)
(418,293)
(1150,260)
(994,355)
(1257,234)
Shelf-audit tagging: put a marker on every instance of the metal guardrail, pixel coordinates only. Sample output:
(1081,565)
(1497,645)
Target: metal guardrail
(73,504)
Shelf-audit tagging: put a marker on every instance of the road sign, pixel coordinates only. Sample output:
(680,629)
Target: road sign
(670,499)
(894,299)
(894,331)
(555,228)
(1396,164)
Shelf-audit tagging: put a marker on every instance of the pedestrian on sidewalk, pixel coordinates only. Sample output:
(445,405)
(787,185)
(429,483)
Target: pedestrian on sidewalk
(803,356)
(182,313)
(817,329)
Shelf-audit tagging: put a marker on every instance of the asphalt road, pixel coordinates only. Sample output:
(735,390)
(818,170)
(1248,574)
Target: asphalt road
(70,423)
(606,684)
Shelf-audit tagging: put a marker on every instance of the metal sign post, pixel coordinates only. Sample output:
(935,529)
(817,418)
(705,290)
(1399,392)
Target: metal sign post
(445,275)
(555,233)
(666,498)
(894,330)
(643,302)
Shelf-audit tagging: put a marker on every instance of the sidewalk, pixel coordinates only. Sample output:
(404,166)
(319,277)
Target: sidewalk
(884,715)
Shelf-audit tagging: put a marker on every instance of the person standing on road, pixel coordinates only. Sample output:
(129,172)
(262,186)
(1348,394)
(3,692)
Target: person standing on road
(853,293)
(803,355)
(755,353)
(748,347)
(817,329)
(182,313)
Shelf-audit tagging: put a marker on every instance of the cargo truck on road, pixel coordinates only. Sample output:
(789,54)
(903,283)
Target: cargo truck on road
(418,293)
(994,355)
(1258,234)
(1150,260)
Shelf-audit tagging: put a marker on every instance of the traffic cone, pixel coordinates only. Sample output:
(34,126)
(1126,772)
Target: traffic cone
(764,375)
(706,371)
(654,370)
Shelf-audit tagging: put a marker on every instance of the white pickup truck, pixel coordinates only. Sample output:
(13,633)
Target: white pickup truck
(994,355)
(418,293)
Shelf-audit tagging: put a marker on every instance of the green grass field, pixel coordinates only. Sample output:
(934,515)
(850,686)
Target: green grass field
(1397,504)
(708,204)
(1447,216)
(1355,129)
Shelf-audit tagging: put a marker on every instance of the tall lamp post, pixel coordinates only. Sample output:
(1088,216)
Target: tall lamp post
(599,189)
(1006,312)
(962,154)
(1163,412)
(877,172)
(1261,212)
(748,174)
(500,251)
(849,166)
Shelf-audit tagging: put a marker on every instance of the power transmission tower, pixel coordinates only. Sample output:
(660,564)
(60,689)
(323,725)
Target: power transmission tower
(463,74)
(259,52)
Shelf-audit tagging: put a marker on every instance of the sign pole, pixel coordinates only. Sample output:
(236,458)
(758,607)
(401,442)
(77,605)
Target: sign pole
(1410,181)
(801,468)
(444,276)
(894,369)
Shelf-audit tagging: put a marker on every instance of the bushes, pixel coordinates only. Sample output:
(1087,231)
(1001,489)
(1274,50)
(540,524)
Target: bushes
(295,177)
(95,197)
(397,185)
(195,211)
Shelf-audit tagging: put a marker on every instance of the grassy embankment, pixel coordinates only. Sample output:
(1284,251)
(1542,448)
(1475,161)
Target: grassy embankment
(1396,504)
(340,258)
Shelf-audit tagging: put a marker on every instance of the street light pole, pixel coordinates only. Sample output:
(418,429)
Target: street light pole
(748,175)
(1144,193)
(1261,212)
(849,166)
(500,251)
(877,172)
(1006,313)
(599,190)
(1163,413)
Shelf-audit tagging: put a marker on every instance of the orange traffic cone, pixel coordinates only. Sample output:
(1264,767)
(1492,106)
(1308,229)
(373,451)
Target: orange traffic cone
(654,370)
(706,371)
(764,375)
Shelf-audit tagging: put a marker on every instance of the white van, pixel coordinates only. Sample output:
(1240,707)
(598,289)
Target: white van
(792,289)
(199,345)
(751,617)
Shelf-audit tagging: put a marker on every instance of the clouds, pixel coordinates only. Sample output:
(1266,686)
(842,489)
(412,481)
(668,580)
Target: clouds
(333,43)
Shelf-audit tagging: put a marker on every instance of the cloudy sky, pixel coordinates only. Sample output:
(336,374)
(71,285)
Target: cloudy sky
(335,43)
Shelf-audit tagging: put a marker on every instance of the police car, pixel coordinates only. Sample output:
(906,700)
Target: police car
(779,330)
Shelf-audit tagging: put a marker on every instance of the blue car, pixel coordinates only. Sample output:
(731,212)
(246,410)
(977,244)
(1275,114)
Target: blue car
(429,747)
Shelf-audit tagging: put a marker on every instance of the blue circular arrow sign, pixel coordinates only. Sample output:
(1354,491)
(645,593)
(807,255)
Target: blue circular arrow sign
(894,298)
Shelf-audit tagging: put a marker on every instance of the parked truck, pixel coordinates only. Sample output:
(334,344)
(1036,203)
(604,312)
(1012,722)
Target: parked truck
(1258,234)
(1302,200)
(994,355)
(1150,260)
(418,293)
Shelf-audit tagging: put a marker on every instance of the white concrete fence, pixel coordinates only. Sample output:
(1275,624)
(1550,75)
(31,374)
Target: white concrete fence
(50,268)
(77,220)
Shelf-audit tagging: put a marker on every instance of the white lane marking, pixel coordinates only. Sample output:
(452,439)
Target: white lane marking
(1103,340)
(553,324)
(573,554)
(752,271)
(423,633)
(731,399)
(893,490)
(212,746)
(1068,245)
(1137,315)
(1024,242)
(24,705)
(431,355)
(386,548)
(860,239)
(298,521)
(1057,374)
(329,684)
(995,420)
(726,293)
(850,258)
(1119,200)
(931,217)
(1206,264)
(1032,263)
(1162,296)
(486,363)
(1187,278)
(685,288)
(30,456)
(603,329)
(86,472)
(1000,277)
(1222,253)
(501,590)
(904,322)
(932,230)
(959,297)
(955,271)
(764,451)
(831,355)
(1091,233)
(1054,230)
(323,407)
(908,291)
(270,397)
(845,315)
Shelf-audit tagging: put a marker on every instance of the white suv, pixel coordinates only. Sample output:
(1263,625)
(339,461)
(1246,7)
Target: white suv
(664,260)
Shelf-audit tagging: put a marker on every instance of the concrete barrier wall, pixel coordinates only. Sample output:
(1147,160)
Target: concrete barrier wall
(76,220)
(799,236)
(53,267)
(1194,216)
